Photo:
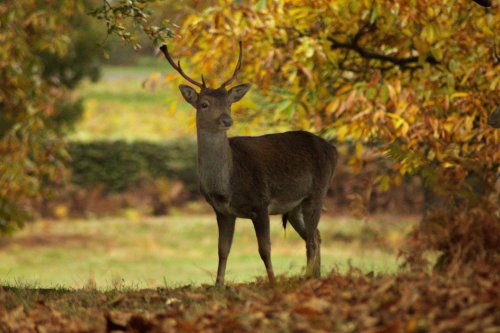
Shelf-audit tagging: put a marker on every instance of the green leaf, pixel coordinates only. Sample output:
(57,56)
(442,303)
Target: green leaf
(260,5)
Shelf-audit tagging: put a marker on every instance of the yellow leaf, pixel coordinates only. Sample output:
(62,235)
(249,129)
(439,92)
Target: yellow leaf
(448,127)
(342,132)
(332,106)
(483,25)
(392,93)
(431,155)
(430,33)
(343,89)
(407,32)
(405,128)
(458,95)
(466,77)
(359,149)
(469,123)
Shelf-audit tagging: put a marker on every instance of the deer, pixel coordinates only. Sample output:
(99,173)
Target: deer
(253,177)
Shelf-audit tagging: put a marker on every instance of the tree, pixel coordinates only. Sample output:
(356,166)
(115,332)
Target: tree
(409,81)
(43,55)
(82,59)
(46,48)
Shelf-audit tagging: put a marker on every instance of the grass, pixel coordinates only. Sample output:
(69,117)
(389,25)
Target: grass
(120,106)
(136,103)
(174,250)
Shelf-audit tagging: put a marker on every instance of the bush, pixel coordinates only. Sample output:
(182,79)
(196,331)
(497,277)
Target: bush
(119,165)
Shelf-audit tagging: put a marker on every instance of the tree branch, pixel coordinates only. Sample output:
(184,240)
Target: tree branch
(484,3)
(367,54)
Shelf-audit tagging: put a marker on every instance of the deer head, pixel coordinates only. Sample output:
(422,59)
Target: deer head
(213,106)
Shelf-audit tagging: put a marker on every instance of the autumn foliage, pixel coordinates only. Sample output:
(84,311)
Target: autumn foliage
(414,81)
(44,53)
(408,82)
(30,150)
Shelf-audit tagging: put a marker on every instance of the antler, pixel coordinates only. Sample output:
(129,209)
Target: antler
(237,69)
(178,68)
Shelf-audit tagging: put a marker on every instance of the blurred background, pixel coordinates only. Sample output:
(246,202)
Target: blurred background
(100,154)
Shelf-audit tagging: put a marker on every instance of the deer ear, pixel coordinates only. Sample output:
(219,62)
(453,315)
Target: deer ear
(236,93)
(189,94)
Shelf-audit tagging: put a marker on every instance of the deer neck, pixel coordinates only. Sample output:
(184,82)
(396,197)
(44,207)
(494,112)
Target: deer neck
(214,162)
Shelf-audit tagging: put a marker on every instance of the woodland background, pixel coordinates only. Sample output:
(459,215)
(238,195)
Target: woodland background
(99,163)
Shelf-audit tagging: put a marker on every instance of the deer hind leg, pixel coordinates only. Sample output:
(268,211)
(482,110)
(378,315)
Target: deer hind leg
(261,226)
(226,232)
(312,212)
(296,219)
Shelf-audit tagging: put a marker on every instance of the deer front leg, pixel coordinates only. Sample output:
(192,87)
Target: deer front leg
(226,232)
(261,226)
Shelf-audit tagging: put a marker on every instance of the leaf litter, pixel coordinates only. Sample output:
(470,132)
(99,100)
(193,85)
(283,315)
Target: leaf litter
(352,302)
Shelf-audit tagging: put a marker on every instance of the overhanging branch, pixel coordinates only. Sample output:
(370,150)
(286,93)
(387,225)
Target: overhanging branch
(404,63)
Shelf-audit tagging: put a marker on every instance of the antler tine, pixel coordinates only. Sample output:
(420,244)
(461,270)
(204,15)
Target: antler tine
(178,68)
(237,69)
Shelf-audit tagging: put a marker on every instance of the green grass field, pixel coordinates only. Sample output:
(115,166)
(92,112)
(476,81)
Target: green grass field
(125,105)
(180,249)
(121,106)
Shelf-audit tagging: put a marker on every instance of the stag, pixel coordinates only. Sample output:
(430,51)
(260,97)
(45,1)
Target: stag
(284,174)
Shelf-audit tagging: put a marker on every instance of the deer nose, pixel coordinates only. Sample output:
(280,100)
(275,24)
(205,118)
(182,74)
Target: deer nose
(226,120)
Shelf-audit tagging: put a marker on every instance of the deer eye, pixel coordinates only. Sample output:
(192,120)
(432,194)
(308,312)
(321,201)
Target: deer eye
(204,105)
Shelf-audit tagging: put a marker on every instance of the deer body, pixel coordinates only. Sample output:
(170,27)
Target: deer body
(243,176)
(254,177)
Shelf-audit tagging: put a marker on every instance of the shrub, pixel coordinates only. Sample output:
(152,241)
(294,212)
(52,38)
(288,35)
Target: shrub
(119,165)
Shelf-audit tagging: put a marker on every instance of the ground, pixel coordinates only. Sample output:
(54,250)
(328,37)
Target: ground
(144,274)
(145,252)
(351,302)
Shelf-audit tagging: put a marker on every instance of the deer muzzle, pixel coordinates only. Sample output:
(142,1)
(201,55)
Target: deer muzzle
(225,121)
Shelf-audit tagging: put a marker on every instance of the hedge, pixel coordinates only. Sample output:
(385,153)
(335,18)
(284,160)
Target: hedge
(118,165)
